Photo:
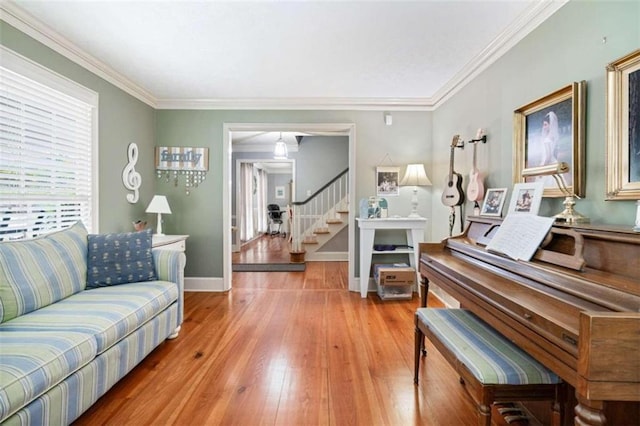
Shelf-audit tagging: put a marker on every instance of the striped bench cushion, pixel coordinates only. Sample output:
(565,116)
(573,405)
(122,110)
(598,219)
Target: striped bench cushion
(489,356)
(33,362)
(38,272)
(106,313)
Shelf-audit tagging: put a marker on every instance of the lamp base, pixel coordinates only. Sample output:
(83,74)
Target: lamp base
(569,215)
(159,226)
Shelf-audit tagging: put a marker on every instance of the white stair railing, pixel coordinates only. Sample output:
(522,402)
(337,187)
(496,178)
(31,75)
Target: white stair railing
(309,217)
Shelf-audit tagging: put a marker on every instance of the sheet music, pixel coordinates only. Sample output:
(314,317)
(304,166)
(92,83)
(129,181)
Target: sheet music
(519,236)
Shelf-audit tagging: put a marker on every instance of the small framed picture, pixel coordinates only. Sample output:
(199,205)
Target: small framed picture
(280,192)
(387,181)
(493,202)
(526,198)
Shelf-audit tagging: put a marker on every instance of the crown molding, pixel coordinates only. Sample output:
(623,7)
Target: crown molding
(361,104)
(18,18)
(529,20)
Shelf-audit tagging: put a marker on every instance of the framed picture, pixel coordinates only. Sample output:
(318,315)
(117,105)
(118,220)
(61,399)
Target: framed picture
(280,192)
(387,181)
(526,198)
(623,128)
(551,130)
(493,202)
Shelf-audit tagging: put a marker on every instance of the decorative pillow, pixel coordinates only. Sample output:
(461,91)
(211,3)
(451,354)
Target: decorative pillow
(38,272)
(119,259)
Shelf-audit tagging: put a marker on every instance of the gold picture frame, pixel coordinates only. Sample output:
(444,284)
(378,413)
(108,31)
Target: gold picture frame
(623,128)
(551,130)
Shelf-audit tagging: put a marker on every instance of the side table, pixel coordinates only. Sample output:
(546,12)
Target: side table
(414,227)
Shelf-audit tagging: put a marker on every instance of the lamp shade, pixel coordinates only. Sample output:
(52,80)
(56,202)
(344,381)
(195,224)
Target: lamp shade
(415,176)
(158,204)
(280,151)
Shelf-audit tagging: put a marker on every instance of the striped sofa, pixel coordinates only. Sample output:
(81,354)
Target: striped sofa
(63,345)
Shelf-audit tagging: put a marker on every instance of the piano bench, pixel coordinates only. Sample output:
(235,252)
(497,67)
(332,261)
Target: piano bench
(492,368)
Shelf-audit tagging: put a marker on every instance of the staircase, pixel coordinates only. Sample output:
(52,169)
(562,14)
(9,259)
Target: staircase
(318,219)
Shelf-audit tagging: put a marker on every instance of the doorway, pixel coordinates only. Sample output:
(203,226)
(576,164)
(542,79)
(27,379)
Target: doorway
(326,129)
(262,193)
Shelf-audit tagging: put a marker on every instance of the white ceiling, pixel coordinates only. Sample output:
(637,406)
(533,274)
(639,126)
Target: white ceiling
(277,54)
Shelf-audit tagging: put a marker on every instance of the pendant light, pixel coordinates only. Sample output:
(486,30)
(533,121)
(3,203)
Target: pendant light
(280,151)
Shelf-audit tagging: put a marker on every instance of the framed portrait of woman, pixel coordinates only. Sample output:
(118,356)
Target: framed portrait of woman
(550,130)
(623,128)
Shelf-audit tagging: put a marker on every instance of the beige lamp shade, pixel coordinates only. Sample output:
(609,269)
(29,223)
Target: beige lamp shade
(415,176)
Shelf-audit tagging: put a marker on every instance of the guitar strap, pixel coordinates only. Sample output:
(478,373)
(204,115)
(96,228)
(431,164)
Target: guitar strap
(452,219)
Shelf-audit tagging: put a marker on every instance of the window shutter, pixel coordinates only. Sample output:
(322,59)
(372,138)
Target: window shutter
(46,139)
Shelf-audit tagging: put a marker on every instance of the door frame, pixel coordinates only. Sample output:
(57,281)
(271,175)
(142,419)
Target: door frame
(334,129)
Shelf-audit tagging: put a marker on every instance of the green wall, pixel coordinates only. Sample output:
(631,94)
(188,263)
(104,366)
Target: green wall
(122,119)
(565,48)
(200,213)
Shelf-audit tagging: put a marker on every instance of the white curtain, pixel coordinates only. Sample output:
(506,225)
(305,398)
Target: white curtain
(261,202)
(246,202)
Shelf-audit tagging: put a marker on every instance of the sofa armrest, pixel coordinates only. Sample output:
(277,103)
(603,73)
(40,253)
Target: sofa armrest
(170,267)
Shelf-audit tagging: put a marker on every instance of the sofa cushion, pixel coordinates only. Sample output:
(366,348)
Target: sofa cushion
(120,258)
(35,273)
(107,313)
(33,362)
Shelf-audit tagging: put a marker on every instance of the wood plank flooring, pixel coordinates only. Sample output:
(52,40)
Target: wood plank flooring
(264,249)
(292,348)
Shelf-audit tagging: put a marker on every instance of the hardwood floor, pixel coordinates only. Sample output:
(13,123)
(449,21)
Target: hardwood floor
(288,349)
(264,249)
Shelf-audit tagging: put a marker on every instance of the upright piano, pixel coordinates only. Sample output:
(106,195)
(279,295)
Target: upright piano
(575,306)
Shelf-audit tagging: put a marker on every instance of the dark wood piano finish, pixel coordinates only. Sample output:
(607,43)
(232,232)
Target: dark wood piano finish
(575,307)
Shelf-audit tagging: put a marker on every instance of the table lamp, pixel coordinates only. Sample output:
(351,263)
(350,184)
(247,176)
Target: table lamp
(569,214)
(415,176)
(159,205)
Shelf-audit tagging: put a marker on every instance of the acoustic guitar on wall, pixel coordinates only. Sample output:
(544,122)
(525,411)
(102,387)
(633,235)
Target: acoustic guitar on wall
(453,195)
(475,189)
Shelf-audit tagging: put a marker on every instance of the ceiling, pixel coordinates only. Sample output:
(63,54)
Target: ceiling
(282,54)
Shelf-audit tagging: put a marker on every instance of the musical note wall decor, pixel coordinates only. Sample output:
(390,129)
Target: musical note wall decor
(130,178)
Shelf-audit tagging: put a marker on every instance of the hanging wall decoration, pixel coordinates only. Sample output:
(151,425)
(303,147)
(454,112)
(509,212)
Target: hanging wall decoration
(130,178)
(189,163)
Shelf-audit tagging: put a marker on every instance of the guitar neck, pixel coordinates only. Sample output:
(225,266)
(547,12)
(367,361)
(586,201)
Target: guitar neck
(451,163)
(474,156)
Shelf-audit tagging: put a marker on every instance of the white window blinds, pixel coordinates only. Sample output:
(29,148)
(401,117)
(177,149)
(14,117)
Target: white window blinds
(46,155)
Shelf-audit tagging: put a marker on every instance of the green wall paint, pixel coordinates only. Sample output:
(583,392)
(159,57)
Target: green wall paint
(567,47)
(200,213)
(122,119)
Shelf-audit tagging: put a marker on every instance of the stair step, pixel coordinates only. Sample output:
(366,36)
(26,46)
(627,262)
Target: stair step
(342,211)
(321,231)
(334,221)
(310,242)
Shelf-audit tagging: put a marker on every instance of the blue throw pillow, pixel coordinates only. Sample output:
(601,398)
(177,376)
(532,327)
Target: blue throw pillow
(119,259)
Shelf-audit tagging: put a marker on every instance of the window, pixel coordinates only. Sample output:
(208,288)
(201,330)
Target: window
(48,140)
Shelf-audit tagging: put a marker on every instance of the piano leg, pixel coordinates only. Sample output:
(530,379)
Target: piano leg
(589,413)
(419,343)
(424,294)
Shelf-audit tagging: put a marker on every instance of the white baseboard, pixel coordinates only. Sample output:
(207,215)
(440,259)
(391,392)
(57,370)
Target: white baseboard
(204,284)
(328,256)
